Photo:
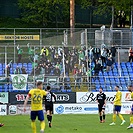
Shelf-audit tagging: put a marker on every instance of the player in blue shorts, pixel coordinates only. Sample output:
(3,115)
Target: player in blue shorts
(130,88)
(117,107)
(36,96)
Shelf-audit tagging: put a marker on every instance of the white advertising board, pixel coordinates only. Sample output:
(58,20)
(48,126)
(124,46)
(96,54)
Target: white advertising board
(79,108)
(90,97)
(3,97)
(3,109)
(88,108)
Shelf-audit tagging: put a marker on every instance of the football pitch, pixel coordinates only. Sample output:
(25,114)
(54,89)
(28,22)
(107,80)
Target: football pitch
(65,124)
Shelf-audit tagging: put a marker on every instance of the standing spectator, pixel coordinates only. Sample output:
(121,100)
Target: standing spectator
(47,71)
(113,51)
(104,55)
(123,15)
(49,64)
(109,64)
(97,68)
(57,71)
(120,19)
(83,69)
(17,70)
(71,63)
(75,70)
(60,50)
(42,69)
(34,64)
(67,67)
(30,52)
(44,51)
(130,54)
(101,64)
(89,74)
(96,53)
(90,52)
(109,54)
(78,79)
(57,59)
(53,51)
(81,57)
(58,65)
(36,57)
(20,51)
(7,69)
(23,70)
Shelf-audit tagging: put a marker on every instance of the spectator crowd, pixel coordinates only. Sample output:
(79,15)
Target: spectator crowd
(79,63)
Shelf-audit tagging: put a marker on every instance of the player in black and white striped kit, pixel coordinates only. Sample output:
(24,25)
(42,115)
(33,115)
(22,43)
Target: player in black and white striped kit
(49,104)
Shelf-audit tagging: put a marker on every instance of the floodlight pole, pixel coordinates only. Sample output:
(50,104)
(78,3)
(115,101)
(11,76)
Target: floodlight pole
(6,61)
(14,46)
(132,24)
(72,19)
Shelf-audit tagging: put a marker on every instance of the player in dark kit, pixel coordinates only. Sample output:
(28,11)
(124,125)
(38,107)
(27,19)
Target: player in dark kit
(1,125)
(101,100)
(49,104)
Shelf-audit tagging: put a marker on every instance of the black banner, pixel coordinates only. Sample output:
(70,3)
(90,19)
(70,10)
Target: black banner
(69,97)
(19,97)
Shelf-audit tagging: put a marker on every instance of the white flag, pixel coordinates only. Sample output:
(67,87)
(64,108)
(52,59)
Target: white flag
(19,81)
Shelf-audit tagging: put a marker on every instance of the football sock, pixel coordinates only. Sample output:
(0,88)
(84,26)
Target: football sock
(42,124)
(131,120)
(100,118)
(33,126)
(103,116)
(114,117)
(48,117)
(121,117)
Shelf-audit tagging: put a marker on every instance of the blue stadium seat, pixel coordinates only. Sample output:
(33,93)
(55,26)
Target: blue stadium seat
(0,88)
(105,74)
(128,64)
(129,69)
(124,70)
(10,88)
(110,73)
(126,74)
(115,70)
(20,65)
(14,65)
(1,73)
(29,64)
(123,64)
(25,65)
(6,88)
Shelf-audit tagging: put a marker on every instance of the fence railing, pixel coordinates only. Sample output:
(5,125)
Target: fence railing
(67,55)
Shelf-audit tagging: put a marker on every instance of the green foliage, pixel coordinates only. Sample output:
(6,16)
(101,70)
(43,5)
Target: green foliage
(103,5)
(44,11)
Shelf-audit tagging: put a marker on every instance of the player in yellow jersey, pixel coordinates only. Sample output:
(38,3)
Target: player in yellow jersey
(130,88)
(36,96)
(117,106)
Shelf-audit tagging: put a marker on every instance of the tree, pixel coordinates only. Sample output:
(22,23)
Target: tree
(44,11)
(104,6)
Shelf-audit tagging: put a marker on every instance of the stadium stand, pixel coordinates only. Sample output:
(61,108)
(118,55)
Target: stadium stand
(122,76)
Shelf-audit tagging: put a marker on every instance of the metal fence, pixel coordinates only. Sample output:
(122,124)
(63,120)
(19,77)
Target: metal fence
(65,59)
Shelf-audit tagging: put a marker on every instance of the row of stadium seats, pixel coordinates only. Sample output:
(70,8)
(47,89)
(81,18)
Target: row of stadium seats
(120,75)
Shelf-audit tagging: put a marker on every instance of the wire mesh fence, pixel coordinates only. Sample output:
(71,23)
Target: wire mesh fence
(66,59)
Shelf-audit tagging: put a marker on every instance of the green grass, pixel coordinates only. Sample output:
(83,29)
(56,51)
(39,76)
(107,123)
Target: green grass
(65,124)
